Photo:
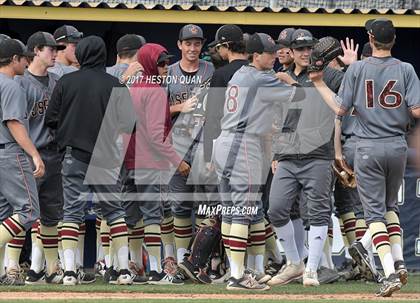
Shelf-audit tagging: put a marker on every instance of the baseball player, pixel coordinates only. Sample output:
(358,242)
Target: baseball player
(347,201)
(384,92)
(305,166)
(184,78)
(241,150)
(127,69)
(65,63)
(68,112)
(230,46)
(284,53)
(67,36)
(149,156)
(38,84)
(19,198)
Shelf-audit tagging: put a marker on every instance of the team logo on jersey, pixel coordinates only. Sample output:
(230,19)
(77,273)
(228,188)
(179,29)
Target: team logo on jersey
(40,108)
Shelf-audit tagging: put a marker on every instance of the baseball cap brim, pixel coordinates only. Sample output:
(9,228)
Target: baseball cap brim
(59,47)
(213,43)
(272,49)
(296,44)
(72,40)
(282,44)
(368,24)
(164,57)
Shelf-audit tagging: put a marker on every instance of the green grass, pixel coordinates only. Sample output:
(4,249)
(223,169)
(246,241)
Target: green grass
(413,286)
(99,286)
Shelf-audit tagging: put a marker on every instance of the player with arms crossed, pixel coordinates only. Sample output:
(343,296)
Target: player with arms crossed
(384,91)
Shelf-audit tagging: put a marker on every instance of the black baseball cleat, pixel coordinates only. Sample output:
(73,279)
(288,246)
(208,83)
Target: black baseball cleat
(34,278)
(273,268)
(361,257)
(139,279)
(247,282)
(390,285)
(111,276)
(70,278)
(401,271)
(85,277)
(163,278)
(188,268)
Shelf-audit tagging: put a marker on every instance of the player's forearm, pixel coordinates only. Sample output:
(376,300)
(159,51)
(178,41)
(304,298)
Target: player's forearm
(174,109)
(328,96)
(337,140)
(21,136)
(416,113)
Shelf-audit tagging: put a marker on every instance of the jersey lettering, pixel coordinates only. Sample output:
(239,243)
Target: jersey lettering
(232,100)
(384,97)
(39,108)
(369,93)
(388,93)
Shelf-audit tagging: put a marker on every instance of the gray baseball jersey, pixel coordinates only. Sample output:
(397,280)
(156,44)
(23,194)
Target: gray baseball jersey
(347,124)
(117,70)
(62,69)
(38,95)
(182,85)
(387,88)
(249,97)
(13,106)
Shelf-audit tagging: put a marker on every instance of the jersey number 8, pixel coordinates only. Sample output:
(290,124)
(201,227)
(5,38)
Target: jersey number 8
(232,100)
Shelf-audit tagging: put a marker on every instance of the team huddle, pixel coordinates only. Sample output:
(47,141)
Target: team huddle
(219,169)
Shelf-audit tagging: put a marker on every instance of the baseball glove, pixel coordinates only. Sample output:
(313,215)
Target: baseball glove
(326,50)
(344,174)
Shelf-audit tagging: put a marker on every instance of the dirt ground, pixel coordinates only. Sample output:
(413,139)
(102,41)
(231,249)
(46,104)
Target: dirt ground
(87,295)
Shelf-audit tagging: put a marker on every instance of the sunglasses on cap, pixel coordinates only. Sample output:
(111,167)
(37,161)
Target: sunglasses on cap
(303,48)
(224,44)
(74,35)
(163,63)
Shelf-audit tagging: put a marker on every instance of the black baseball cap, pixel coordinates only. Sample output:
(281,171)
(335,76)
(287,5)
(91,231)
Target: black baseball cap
(381,29)
(261,43)
(3,37)
(367,50)
(285,37)
(42,39)
(190,31)
(12,47)
(163,57)
(130,42)
(67,33)
(302,38)
(227,33)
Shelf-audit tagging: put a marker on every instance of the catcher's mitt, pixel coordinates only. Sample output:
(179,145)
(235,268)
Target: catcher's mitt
(344,174)
(326,50)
